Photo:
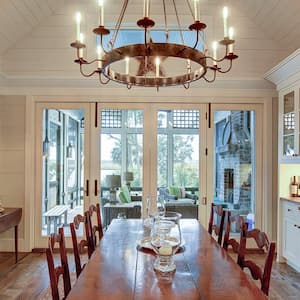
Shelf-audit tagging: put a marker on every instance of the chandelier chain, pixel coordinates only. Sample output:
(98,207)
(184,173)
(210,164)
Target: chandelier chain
(190,8)
(166,21)
(178,22)
(118,24)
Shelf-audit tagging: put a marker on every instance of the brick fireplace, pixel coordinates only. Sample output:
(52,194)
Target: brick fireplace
(234,167)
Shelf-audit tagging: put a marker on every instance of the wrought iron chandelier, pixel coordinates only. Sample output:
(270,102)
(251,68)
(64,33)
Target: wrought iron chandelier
(152,55)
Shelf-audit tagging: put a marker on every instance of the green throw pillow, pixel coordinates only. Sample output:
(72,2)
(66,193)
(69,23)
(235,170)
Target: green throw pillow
(125,194)
(174,190)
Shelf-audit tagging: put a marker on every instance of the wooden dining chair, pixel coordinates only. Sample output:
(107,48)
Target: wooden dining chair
(239,224)
(93,229)
(257,273)
(78,247)
(260,238)
(60,270)
(216,222)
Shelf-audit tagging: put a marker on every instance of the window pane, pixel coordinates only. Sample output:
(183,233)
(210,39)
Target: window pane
(178,161)
(63,139)
(121,156)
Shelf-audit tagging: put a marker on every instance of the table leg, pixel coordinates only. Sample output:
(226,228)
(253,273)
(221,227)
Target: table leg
(16,243)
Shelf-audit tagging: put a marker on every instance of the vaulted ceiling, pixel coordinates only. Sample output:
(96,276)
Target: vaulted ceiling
(35,34)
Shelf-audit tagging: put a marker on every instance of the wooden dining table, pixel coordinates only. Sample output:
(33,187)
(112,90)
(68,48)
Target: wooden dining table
(118,269)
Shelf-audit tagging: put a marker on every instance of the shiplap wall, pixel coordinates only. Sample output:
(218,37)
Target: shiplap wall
(12,156)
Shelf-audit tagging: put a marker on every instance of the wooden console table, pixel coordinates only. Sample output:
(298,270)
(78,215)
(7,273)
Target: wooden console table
(9,218)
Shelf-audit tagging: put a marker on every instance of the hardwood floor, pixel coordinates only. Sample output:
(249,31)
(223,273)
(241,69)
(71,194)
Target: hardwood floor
(28,279)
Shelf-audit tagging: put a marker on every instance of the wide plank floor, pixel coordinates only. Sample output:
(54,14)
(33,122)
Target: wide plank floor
(28,279)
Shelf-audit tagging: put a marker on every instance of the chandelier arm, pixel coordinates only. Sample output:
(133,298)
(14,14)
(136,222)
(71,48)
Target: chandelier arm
(216,60)
(186,85)
(229,68)
(197,39)
(210,80)
(101,80)
(118,24)
(178,23)
(87,75)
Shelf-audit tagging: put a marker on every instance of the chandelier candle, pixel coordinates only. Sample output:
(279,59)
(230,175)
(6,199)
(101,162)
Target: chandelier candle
(146,8)
(157,62)
(81,39)
(101,12)
(197,10)
(225,19)
(231,34)
(78,20)
(126,65)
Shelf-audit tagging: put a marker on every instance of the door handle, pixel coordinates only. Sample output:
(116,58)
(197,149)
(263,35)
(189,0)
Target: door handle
(96,188)
(87,189)
(204,200)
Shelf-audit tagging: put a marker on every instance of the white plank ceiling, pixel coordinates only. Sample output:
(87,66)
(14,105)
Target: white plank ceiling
(35,34)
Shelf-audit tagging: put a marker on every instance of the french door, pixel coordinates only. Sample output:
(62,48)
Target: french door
(62,167)
(235,140)
(104,152)
(161,147)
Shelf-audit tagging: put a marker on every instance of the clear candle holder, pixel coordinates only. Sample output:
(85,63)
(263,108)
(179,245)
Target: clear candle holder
(166,240)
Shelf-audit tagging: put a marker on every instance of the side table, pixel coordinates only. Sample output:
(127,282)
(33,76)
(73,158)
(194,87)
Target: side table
(9,218)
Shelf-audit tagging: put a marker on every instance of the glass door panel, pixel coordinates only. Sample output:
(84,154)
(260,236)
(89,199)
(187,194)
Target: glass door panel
(235,162)
(62,168)
(289,124)
(178,161)
(121,171)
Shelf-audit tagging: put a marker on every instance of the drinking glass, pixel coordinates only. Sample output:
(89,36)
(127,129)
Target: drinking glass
(165,240)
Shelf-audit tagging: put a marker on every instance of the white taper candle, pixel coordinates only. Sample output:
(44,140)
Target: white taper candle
(78,21)
(101,12)
(126,65)
(231,35)
(157,62)
(225,19)
(81,39)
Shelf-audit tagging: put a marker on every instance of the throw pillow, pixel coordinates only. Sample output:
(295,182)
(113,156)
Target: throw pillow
(125,194)
(174,190)
(181,192)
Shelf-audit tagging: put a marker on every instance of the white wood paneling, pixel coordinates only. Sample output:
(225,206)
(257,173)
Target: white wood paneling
(12,154)
(19,17)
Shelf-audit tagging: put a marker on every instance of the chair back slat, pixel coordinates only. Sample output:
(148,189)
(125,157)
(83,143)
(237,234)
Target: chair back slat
(61,270)
(229,220)
(93,229)
(216,227)
(79,247)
